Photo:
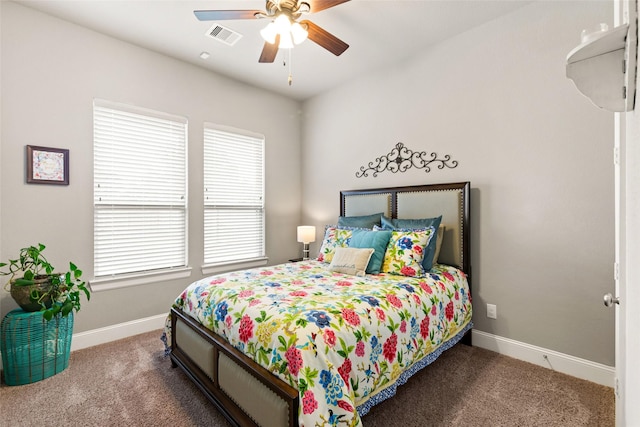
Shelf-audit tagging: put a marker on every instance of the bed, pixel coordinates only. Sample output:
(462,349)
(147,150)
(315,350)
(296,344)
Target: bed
(321,341)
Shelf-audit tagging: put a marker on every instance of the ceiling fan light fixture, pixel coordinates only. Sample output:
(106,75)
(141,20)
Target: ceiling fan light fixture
(283,24)
(285,41)
(290,33)
(269,33)
(298,33)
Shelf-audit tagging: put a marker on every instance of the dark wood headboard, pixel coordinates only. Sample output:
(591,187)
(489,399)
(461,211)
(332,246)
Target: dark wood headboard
(421,201)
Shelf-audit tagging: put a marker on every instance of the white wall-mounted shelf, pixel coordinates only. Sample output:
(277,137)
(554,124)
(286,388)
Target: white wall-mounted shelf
(603,68)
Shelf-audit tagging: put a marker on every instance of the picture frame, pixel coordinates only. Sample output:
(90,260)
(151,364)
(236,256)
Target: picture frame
(46,165)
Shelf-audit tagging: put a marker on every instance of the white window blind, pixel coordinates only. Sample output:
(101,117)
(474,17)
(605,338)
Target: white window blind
(233,195)
(140,190)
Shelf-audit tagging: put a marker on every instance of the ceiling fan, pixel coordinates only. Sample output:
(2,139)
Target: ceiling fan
(284,29)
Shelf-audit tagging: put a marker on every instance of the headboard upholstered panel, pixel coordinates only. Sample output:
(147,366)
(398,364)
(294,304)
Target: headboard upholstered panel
(421,201)
(367,203)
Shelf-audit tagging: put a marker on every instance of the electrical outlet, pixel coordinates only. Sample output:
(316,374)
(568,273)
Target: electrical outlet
(492,311)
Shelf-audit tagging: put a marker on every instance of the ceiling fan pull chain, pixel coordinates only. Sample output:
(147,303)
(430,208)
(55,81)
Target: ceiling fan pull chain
(290,76)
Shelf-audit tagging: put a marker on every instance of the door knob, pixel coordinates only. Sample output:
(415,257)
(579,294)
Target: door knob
(609,300)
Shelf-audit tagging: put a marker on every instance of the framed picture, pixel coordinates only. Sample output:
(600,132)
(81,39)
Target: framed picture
(47,165)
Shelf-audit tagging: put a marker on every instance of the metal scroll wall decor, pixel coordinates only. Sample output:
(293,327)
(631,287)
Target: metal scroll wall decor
(401,158)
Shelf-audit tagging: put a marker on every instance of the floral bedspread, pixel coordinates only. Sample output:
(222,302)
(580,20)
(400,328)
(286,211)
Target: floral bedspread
(344,342)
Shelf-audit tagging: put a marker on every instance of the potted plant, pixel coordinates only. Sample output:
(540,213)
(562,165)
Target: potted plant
(35,286)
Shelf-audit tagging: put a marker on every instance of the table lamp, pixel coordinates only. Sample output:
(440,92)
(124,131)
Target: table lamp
(306,235)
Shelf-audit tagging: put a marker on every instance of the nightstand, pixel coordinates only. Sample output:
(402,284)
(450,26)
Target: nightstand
(295,260)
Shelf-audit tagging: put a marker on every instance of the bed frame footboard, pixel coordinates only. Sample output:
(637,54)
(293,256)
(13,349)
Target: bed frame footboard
(245,393)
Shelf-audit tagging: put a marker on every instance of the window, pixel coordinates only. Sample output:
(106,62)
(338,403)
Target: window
(233,195)
(140,190)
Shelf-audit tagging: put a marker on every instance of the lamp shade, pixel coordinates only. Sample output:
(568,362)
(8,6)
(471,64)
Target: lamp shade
(269,33)
(285,41)
(283,24)
(306,233)
(290,32)
(298,33)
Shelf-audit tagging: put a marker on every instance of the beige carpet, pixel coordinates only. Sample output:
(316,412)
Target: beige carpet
(131,383)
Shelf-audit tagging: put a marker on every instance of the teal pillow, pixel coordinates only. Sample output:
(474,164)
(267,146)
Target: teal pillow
(363,221)
(414,224)
(378,240)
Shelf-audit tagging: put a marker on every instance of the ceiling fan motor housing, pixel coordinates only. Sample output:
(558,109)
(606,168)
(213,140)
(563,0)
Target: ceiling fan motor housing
(293,8)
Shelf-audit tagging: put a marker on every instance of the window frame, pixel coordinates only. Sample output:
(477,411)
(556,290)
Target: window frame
(116,280)
(208,266)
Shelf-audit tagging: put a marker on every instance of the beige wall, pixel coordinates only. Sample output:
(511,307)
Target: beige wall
(537,153)
(51,73)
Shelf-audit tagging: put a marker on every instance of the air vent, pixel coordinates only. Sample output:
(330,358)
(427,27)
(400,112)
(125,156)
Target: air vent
(224,34)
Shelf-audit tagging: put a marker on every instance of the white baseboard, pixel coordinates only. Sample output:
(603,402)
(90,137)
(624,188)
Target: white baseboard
(570,365)
(116,332)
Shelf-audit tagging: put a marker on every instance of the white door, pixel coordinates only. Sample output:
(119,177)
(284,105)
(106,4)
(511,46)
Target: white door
(620,270)
(629,336)
(628,257)
(628,246)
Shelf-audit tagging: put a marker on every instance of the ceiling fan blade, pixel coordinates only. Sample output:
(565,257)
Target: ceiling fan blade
(318,5)
(269,51)
(225,15)
(324,38)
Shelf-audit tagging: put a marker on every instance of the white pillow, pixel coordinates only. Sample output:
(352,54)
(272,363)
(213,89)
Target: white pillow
(351,260)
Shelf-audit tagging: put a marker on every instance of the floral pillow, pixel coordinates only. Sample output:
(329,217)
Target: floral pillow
(405,252)
(419,224)
(334,237)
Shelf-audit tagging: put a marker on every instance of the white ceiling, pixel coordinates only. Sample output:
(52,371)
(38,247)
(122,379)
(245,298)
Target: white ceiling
(381,33)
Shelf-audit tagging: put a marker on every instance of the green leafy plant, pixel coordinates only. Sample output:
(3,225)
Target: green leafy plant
(63,290)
